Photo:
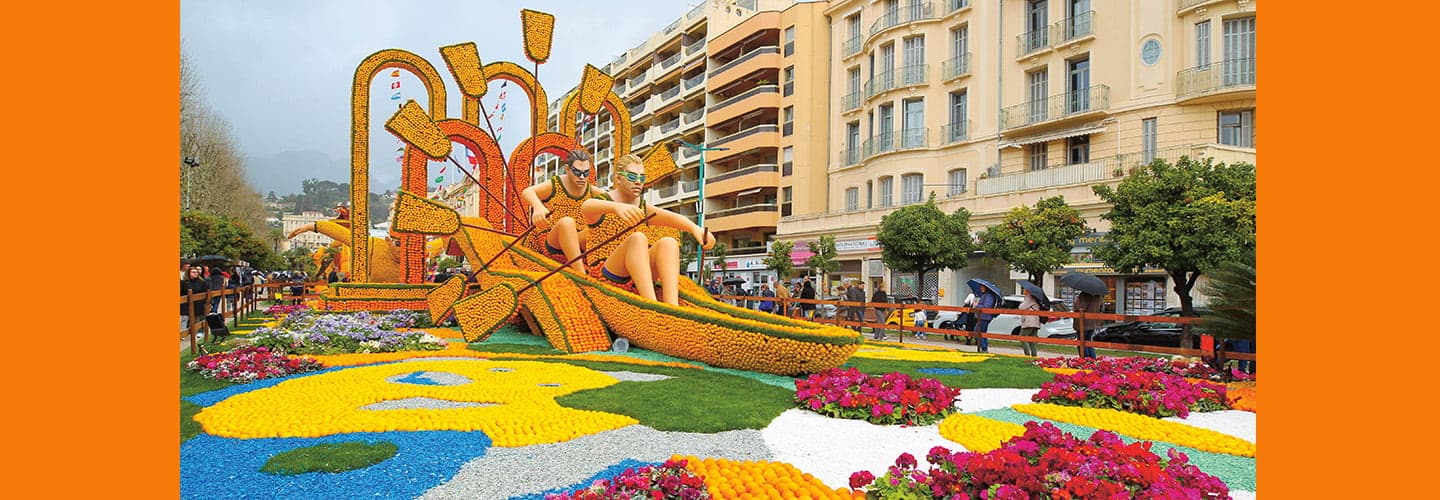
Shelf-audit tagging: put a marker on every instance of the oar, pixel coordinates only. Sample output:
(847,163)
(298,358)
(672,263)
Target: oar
(477,182)
(585,253)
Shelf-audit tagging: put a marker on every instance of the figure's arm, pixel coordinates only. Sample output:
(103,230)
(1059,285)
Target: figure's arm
(667,218)
(532,195)
(595,208)
(334,231)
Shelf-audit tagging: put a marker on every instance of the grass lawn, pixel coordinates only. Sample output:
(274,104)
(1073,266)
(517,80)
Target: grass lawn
(997,372)
(690,401)
(330,457)
(515,348)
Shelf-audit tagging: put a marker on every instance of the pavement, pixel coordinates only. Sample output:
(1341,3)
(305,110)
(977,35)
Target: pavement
(996,346)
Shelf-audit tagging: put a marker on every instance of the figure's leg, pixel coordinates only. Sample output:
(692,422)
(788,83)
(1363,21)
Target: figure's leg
(565,236)
(632,258)
(665,258)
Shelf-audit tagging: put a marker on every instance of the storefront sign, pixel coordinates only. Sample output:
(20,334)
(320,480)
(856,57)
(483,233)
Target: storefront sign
(865,245)
(1090,239)
(1104,270)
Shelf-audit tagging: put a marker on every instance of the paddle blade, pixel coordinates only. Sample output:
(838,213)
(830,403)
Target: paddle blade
(659,163)
(443,298)
(415,214)
(594,88)
(412,125)
(483,313)
(464,62)
(539,27)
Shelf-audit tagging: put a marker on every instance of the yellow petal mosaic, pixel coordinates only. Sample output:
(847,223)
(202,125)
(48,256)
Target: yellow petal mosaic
(516,403)
(412,125)
(462,350)
(977,433)
(727,479)
(415,214)
(1142,427)
(896,354)
(464,62)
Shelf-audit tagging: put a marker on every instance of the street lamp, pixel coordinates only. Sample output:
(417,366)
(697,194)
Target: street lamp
(191,162)
(699,205)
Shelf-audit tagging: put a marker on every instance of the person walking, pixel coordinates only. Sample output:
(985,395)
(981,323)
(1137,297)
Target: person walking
(193,283)
(881,313)
(216,281)
(855,313)
(768,304)
(782,296)
(985,300)
(919,318)
(1029,325)
(807,292)
(1089,303)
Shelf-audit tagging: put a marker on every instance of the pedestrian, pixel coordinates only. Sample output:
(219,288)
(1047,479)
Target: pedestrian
(193,283)
(856,313)
(967,319)
(1089,303)
(216,281)
(1029,324)
(919,318)
(985,300)
(767,305)
(782,296)
(807,292)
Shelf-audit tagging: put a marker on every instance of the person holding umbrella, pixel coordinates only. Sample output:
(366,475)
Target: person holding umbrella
(1091,300)
(1035,300)
(987,296)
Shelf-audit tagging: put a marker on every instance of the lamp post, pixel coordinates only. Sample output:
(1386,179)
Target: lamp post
(699,205)
(191,162)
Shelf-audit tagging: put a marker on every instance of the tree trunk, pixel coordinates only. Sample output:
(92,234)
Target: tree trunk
(1184,281)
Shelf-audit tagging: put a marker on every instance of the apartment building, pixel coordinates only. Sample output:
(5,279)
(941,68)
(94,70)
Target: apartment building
(995,104)
(309,240)
(748,76)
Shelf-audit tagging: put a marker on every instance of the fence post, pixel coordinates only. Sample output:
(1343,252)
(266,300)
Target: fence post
(1081,334)
(190,322)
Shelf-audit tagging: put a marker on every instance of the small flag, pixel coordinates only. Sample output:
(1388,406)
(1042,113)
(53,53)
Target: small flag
(395,73)
(395,96)
(438,180)
(474,161)
(395,85)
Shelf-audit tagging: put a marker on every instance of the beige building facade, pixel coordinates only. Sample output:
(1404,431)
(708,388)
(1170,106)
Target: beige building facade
(990,105)
(309,240)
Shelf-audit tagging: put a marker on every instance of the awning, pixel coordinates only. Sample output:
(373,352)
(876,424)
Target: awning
(1063,134)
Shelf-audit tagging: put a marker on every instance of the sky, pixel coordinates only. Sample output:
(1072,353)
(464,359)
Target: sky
(280,71)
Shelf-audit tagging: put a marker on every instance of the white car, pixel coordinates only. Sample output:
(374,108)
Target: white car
(1010,323)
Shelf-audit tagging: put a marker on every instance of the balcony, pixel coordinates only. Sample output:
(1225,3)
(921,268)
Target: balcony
(758,51)
(759,136)
(638,109)
(849,156)
(880,83)
(900,16)
(955,132)
(758,129)
(666,63)
(1068,30)
(695,47)
(764,96)
(1223,77)
(766,175)
(850,46)
(952,6)
(850,102)
(604,154)
(1056,109)
(956,67)
(694,81)
(667,127)
(1186,5)
(694,116)
(914,74)
(900,140)
(669,93)
(757,215)
(1103,169)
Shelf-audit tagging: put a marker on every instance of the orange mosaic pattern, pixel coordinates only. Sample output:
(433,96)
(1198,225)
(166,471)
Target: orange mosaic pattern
(730,479)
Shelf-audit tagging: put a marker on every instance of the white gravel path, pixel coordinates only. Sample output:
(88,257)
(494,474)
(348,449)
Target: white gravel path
(833,448)
(508,472)
(1236,423)
(973,400)
(628,376)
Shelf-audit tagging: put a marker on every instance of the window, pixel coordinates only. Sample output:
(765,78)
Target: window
(959,41)
(887,189)
(789,40)
(789,79)
(892,13)
(1079,23)
(1077,150)
(887,66)
(1148,140)
(956,131)
(887,125)
(1237,128)
(1037,19)
(852,143)
(788,122)
(1079,91)
(852,199)
(787,163)
(914,69)
(957,182)
(1202,43)
(869,194)
(1039,86)
(1239,51)
(1038,155)
(785,201)
(914,124)
(911,187)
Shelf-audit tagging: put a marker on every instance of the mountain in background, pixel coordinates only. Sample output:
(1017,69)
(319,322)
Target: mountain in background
(283,172)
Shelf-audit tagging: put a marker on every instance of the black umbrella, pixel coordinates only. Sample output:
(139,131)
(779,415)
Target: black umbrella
(212,260)
(1037,292)
(975,284)
(1085,283)
(734,281)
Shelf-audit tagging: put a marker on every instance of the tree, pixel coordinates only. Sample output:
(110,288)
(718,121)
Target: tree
(298,259)
(204,233)
(1035,240)
(1232,299)
(1184,218)
(779,259)
(717,257)
(823,261)
(920,238)
(688,244)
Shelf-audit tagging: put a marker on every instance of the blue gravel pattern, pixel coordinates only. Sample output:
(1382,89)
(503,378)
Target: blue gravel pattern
(608,473)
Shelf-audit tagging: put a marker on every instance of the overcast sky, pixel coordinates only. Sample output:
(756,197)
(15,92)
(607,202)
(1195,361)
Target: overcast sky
(280,71)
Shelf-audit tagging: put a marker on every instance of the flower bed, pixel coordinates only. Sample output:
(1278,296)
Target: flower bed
(894,398)
(281,310)
(671,480)
(977,433)
(248,364)
(1148,393)
(302,332)
(1046,463)
(1178,367)
(1143,427)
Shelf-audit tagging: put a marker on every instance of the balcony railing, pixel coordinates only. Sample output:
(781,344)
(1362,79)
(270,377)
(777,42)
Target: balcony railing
(666,63)
(769,49)
(698,11)
(1095,170)
(667,191)
(955,132)
(694,81)
(900,16)
(954,5)
(914,74)
(639,80)
(758,207)
(695,47)
(849,156)
(689,186)
(850,101)
(880,83)
(694,116)
(737,98)
(1072,28)
(744,171)
(688,153)
(666,127)
(637,109)
(670,93)
(758,129)
(895,141)
(604,154)
(1062,31)
(850,46)
(1093,98)
(1032,41)
(1185,4)
(1215,76)
(955,67)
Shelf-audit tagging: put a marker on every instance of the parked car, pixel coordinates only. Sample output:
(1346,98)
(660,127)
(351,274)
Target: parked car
(1154,333)
(902,315)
